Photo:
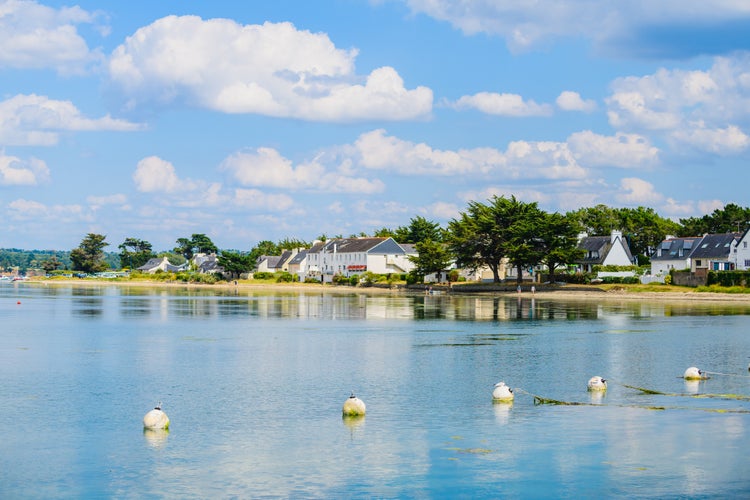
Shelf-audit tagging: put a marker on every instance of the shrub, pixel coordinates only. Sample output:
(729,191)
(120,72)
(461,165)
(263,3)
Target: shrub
(285,277)
(263,275)
(728,278)
(412,279)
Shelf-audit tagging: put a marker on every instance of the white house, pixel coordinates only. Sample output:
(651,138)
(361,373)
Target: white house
(160,264)
(610,250)
(207,263)
(349,256)
(673,253)
(742,252)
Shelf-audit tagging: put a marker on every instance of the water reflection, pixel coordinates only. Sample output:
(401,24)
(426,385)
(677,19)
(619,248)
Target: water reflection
(87,302)
(207,302)
(156,438)
(426,365)
(502,411)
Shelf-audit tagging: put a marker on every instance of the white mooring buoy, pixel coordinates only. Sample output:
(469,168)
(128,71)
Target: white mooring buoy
(597,384)
(502,393)
(694,373)
(156,419)
(353,407)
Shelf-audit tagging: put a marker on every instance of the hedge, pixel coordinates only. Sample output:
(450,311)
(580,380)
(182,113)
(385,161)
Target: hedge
(728,278)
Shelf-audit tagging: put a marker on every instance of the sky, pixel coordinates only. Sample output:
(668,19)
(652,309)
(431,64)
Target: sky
(251,121)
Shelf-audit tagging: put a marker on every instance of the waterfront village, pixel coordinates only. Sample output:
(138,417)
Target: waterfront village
(692,257)
(676,260)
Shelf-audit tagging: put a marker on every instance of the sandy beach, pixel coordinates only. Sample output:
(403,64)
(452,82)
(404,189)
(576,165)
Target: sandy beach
(568,292)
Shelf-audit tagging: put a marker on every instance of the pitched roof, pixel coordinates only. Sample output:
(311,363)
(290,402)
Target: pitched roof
(714,246)
(602,246)
(358,245)
(676,248)
(272,261)
(150,264)
(298,258)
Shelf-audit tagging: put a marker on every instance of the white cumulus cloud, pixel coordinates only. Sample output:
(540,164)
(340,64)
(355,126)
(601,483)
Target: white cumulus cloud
(33,35)
(34,120)
(521,159)
(634,191)
(621,150)
(17,172)
(153,175)
(572,101)
(258,200)
(271,69)
(706,110)
(30,210)
(266,167)
(493,103)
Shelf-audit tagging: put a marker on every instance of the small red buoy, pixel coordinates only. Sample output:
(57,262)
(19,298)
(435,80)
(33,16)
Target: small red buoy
(19,302)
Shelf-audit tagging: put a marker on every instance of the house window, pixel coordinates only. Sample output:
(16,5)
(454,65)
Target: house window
(747,262)
(744,244)
(697,263)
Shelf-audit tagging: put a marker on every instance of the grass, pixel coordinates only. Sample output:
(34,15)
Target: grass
(649,288)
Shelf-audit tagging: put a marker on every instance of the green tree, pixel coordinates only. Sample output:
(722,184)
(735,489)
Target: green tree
(506,228)
(89,256)
(728,219)
(51,264)
(384,232)
(184,247)
(478,237)
(134,252)
(524,221)
(432,257)
(265,247)
(235,263)
(644,229)
(558,238)
(597,221)
(197,243)
(292,243)
(203,244)
(419,229)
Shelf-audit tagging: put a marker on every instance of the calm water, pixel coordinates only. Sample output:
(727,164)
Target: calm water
(254,384)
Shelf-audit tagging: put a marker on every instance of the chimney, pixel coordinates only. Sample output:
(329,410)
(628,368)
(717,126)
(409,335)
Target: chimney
(615,235)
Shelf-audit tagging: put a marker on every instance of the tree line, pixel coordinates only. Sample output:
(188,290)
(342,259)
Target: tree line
(482,235)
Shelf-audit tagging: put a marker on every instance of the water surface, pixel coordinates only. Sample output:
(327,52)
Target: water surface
(254,383)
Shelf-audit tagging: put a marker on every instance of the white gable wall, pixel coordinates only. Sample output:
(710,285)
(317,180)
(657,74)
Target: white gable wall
(617,255)
(664,266)
(742,253)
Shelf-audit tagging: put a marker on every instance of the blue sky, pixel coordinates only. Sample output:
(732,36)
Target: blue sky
(252,121)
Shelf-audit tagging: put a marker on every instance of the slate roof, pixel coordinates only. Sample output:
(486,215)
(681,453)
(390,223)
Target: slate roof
(714,246)
(272,261)
(297,259)
(156,262)
(602,245)
(359,245)
(150,264)
(676,248)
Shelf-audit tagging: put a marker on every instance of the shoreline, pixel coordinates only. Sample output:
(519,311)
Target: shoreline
(568,293)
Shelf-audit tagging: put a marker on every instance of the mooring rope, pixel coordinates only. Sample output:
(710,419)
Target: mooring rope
(736,397)
(727,374)
(539,400)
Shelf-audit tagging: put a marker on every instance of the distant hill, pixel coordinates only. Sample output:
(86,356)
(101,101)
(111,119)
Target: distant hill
(32,259)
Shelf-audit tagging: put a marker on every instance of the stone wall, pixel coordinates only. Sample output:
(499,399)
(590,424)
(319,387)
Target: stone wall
(686,278)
